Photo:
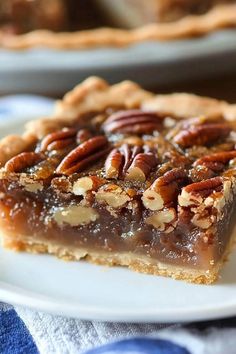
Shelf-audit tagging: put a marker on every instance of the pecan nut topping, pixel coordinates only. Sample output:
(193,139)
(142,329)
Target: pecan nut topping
(133,122)
(87,183)
(24,160)
(83,155)
(216,162)
(203,202)
(130,163)
(164,220)
(165,189)
(113,164)
(58,140)
(202,134)
(194,193)
(113,196)
(141,166)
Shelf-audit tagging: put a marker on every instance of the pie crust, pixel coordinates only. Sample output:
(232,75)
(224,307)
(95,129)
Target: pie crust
(205,203)
(220,16)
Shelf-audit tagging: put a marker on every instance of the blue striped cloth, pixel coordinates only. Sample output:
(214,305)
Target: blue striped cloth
(29,332)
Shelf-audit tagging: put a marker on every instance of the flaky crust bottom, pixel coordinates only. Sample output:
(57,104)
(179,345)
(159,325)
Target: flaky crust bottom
(220,16)
(137,263)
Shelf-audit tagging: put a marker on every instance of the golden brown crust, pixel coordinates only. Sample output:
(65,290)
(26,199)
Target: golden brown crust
(140,264)
(95,94)
(184,105)
(221,16)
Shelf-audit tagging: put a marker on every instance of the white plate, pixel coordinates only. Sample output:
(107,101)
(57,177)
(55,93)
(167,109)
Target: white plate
(149,64)
(87,291)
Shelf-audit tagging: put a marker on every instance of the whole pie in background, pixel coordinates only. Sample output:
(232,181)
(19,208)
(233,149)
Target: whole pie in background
(120,176)
(135,13)
(21,16)
(91,23)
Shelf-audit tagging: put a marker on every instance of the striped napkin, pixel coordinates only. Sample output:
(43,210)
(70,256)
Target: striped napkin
(24,331)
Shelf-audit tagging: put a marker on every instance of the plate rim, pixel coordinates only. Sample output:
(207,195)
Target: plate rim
(38,302)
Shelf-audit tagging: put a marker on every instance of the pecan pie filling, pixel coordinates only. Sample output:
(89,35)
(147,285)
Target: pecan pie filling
(126,182)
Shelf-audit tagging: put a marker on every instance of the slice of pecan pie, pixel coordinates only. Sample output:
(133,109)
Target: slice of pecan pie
(119,176)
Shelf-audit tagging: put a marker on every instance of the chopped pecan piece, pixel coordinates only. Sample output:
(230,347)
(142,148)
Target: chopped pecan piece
(133,122)
(61,184)
(58,140)
(165,189)
(113,196)
(203,203)
(202,134)
(164,220)
(87,183)
(75,215)
(83,155)
(24,160)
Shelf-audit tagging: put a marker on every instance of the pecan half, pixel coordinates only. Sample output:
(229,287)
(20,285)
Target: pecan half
(113,164)
(83,155)
(200,173)
(195,193)
(202,134)
(58,140)
(130,163)
(133,122)
(22,161)
(141,167)
(129,152)
(216,162)
(165,189)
